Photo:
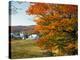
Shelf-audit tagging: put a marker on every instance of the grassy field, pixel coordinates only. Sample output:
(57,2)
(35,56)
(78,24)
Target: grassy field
(25,49)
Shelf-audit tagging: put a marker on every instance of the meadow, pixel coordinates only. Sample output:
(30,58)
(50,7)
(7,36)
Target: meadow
(25,49)
(29,49)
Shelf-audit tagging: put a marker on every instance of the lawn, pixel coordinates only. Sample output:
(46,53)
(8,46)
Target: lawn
(25,49)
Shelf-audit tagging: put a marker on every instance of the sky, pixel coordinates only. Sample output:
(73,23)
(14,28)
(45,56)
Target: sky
(19,17)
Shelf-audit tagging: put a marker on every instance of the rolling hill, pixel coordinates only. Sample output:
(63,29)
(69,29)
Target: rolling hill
(26,29)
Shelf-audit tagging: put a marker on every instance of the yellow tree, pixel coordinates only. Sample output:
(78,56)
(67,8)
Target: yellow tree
(57,27)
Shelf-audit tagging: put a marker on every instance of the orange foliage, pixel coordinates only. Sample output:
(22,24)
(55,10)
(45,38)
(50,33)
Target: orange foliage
(39,8)
(53,21)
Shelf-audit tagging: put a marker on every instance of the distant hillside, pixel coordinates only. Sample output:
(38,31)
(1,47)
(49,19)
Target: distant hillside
(27,29)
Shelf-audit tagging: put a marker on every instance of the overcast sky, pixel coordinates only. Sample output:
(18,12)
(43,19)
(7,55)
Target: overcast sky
(20,18)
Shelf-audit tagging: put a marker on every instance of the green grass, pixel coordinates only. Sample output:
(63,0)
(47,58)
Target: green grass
(25,49)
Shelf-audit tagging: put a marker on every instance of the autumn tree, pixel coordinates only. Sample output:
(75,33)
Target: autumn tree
(57,27)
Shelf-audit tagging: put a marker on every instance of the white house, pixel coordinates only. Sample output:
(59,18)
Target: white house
(33,36)
(22,35)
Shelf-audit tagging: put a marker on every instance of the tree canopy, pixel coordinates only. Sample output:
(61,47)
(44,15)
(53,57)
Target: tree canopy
(57,25)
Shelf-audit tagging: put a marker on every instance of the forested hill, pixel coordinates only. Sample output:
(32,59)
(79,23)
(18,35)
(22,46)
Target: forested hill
(27,29)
